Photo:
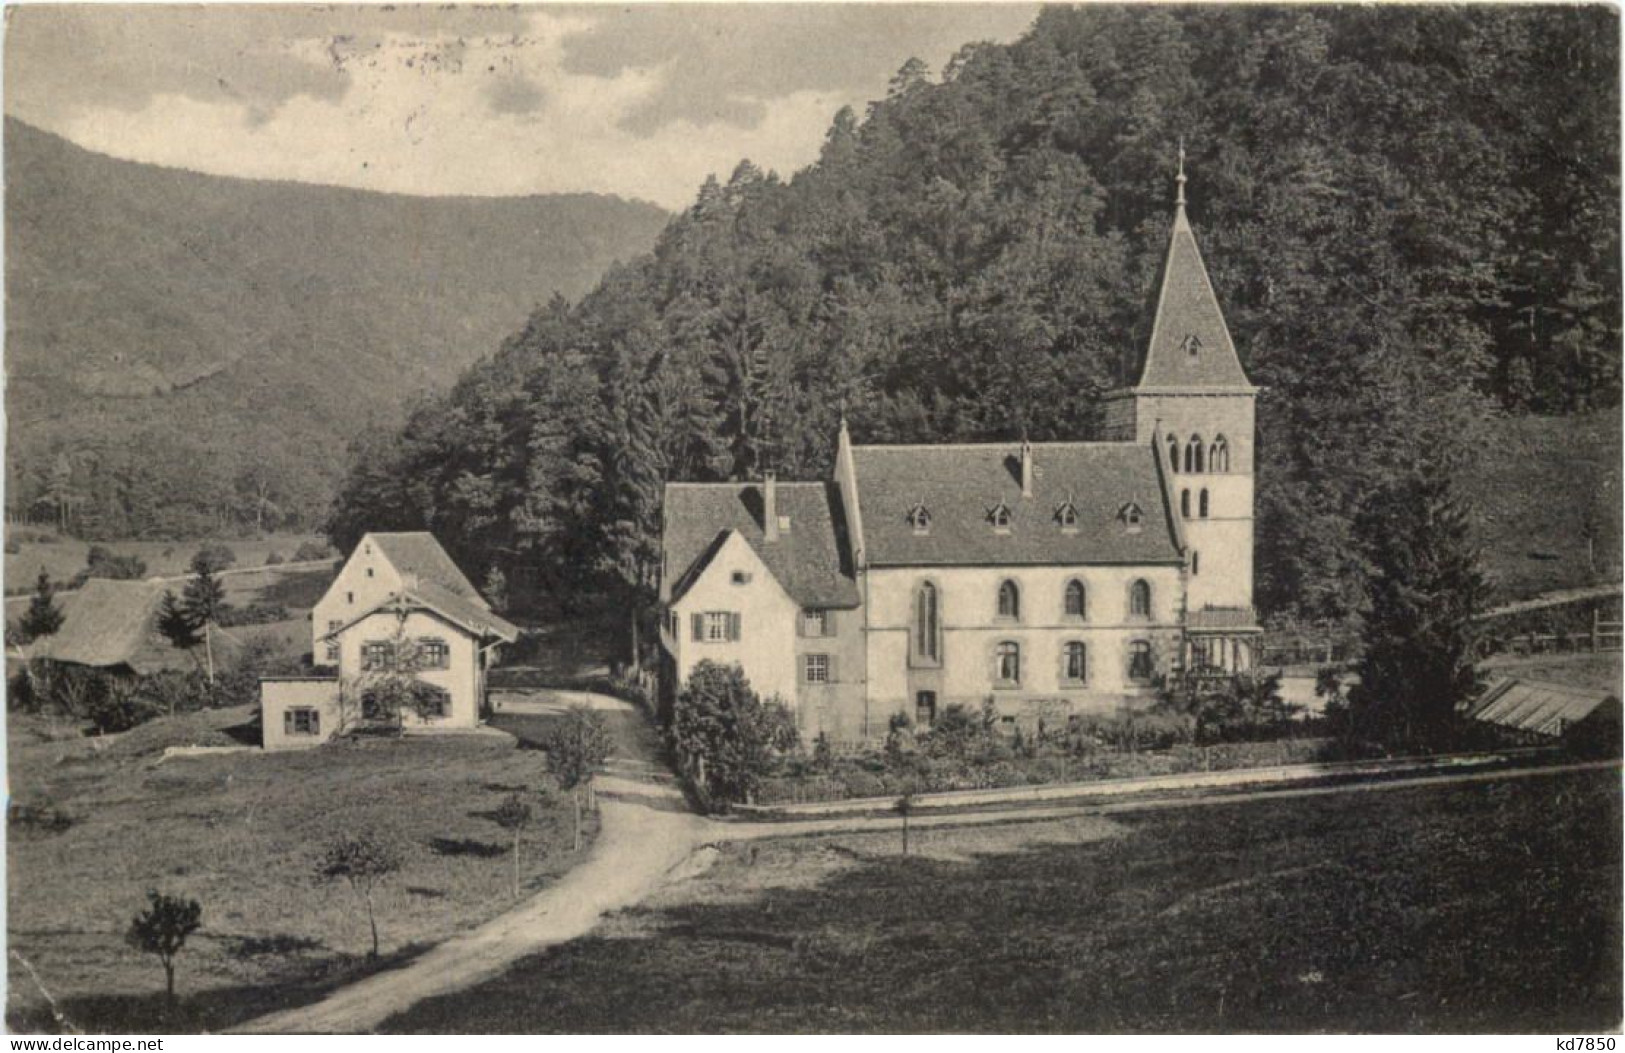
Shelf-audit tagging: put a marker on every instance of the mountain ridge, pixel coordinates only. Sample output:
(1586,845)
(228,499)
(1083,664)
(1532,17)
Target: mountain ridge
(266,314)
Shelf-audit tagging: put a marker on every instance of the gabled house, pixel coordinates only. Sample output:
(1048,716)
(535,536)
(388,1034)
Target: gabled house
(393,588)
(1043,578)
(381,565)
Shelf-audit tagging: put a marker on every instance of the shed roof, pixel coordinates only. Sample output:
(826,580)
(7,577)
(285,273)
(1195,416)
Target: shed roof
(1222,618)
(418,554)
(1536,705)
(959,486)
(811,560)
(111,624)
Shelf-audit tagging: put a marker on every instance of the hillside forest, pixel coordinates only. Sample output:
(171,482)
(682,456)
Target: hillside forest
(187,355)
(1410,215)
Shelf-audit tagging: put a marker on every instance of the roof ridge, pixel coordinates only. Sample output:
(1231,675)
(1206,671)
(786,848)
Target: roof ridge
(749,482)
(997,443)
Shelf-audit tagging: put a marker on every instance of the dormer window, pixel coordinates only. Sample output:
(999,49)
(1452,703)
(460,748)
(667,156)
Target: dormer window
(1131,517)
(919,518)
(1067,516)
(1191,345)
(784,524)
(999,516)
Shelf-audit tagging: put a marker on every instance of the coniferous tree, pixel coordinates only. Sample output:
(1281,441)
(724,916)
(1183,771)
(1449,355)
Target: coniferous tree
(44,614)
(1426,589)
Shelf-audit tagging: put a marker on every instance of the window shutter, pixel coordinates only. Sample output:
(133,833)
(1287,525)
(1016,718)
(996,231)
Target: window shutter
(834,669)
(699,626)
(801,624)
(315,722)
(287,722)
(829,627)
(734,625)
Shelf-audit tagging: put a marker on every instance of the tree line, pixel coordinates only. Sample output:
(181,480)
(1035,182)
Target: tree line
(1410,216)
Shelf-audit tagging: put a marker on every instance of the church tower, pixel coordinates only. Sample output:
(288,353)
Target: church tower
(1193,398)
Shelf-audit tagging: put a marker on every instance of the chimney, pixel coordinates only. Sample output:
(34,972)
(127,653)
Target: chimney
(770,507)
(1026,468)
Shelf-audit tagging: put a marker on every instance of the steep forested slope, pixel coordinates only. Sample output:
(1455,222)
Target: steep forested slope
(158,319)
(1410,215)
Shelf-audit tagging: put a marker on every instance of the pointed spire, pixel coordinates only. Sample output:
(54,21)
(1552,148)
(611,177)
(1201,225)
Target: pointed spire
(1179,200)
(1190,344)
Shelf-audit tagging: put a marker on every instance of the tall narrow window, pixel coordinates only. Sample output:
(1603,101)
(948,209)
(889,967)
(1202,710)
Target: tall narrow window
(1185,503)
(1139,599)
(1007,663)
(925,622)
(1193,454)
(1196,562)
(1173,453)
(1219,457)
(1077,601)
(1201,504)
(1139,660)
(1074,663)
(1009,601)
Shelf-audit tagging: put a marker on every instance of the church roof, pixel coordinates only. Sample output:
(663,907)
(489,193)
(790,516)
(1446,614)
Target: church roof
(1190,345)
(810,560)
(960,485)
(417,554)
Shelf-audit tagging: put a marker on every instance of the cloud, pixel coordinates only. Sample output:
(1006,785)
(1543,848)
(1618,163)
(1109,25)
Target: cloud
(484,101)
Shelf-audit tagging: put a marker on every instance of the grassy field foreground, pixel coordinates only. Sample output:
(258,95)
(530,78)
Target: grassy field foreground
(240,833)
(1490,907)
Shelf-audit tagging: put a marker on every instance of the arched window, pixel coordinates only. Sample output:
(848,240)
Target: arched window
(1173,453)
(1219,458)
(1009,601)
(1074,662)
(1139,660)
(1007,663)
(1077,601)
(926,623)
(1185,502)
(1201,504)
(1139,599)
(1193,454)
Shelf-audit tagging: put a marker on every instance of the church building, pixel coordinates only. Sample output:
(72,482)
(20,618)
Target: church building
(1047,578)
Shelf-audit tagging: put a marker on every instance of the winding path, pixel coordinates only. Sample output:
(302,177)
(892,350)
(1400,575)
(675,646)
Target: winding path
(647,833)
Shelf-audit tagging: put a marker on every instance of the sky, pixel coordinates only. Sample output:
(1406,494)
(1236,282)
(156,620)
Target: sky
(640,100)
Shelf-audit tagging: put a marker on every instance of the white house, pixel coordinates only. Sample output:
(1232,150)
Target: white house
(394,586)
(1045,578)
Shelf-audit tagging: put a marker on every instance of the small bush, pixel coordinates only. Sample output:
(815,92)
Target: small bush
(309,551)
(273,558)
(214,555)
(36,818)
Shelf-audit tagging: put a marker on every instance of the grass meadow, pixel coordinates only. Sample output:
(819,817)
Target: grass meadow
(240,833)
(1487,907)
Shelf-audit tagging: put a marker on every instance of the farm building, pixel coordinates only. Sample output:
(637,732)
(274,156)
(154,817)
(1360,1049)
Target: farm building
(113,626)
(397,594)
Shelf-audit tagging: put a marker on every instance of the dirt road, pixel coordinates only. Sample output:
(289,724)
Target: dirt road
(647,837)
(645,831)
